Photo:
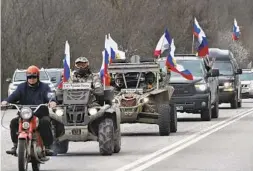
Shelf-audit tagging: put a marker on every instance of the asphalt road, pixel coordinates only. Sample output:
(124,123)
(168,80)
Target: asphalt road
(222,144)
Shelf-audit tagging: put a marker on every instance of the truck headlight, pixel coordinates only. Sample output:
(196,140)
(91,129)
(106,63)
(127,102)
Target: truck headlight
(59,112)
(227,84)
(92,111)
(251,85)
(201,87)
(26,113)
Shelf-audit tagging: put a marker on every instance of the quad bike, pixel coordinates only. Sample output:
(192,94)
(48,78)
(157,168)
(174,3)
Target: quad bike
(88,119)
(30,145)
(143,95)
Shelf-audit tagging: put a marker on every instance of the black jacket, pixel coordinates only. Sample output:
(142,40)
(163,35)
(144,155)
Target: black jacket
(27,95)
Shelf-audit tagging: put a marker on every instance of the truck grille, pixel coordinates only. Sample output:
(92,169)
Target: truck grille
(183,89)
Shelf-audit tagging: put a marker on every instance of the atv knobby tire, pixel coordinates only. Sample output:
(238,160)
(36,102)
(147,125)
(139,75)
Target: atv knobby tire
(117,141)
(173,118)
(106,137)
(164,119)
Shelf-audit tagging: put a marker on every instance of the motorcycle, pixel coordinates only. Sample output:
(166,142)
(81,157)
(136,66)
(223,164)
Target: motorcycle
(30,145)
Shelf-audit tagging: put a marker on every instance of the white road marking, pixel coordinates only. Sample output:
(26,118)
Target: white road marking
(163,153)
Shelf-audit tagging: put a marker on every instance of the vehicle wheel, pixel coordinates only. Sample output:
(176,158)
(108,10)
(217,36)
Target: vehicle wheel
(62,147)
(215,109)
(164,119)
(206,114)
(35,165)
(239,104)
(173,116)
(106,137)
(22,155)
(117,141)
(234,102)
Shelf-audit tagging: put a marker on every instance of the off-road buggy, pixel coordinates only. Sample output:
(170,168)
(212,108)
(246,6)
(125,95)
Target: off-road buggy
(87,119)
(143,95)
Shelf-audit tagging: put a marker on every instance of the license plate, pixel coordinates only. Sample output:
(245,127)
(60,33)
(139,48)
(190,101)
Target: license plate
(179,107)
(76,131)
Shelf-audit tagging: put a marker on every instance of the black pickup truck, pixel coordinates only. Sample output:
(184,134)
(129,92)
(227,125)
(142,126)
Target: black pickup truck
(200,95)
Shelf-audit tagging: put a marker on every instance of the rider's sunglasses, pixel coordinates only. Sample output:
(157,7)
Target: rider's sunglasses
(32,76)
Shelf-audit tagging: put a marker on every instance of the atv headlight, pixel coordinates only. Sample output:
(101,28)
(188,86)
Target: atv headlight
(227,85)
(93,111)
(143,100)
(115,101)
(26,113)
(201,87)
(59,112)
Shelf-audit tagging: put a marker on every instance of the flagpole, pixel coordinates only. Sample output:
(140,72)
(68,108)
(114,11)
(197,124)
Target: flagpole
(193,43)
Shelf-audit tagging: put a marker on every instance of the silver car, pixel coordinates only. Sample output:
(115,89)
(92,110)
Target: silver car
(246,79)
(19,77)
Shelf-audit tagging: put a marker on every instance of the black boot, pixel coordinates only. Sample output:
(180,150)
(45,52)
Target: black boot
(49,151)
(13,150)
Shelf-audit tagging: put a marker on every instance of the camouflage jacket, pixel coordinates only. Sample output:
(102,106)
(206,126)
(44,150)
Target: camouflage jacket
(93,78)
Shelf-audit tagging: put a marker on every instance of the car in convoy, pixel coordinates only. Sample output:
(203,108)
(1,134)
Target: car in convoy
(19,76)
(199,95)
(246,79)
(55,74)
(229,83)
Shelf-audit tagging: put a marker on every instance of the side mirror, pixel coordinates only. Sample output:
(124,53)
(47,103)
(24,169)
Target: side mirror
(53,79)
(213,73)
(239,71)
(8,80)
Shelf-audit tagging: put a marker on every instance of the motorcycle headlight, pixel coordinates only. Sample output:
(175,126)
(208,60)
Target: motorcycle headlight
(227,85)
(201,87)
(59,112)
(26,113)
(92,111)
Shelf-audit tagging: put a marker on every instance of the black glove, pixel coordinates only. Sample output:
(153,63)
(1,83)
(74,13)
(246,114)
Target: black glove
(99,91)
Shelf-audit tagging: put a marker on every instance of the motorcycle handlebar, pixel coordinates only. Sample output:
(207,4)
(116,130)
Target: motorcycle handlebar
(31,106)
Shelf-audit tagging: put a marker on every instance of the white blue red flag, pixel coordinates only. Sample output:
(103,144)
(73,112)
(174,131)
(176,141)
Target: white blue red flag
(163,44)
(200,34)
(173,66)
(236,31)
(66,64)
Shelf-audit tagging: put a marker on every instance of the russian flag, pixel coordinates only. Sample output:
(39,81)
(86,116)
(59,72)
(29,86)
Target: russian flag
(200,34)
(163,44)
(66,64)
(173,66)
(104,75)
(236,31)
(112,48)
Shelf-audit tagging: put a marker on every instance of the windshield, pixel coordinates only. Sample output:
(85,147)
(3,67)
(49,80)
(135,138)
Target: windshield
(194,66)
(246,76)
(225,68)
(21,76)
(55,74)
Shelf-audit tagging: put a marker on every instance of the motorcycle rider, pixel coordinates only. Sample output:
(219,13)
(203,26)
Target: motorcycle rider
(82,73)
(32,92)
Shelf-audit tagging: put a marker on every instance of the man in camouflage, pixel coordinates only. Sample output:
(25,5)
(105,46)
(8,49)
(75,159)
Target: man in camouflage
(82,73)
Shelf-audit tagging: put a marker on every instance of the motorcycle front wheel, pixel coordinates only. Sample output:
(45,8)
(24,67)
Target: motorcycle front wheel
(22,155)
